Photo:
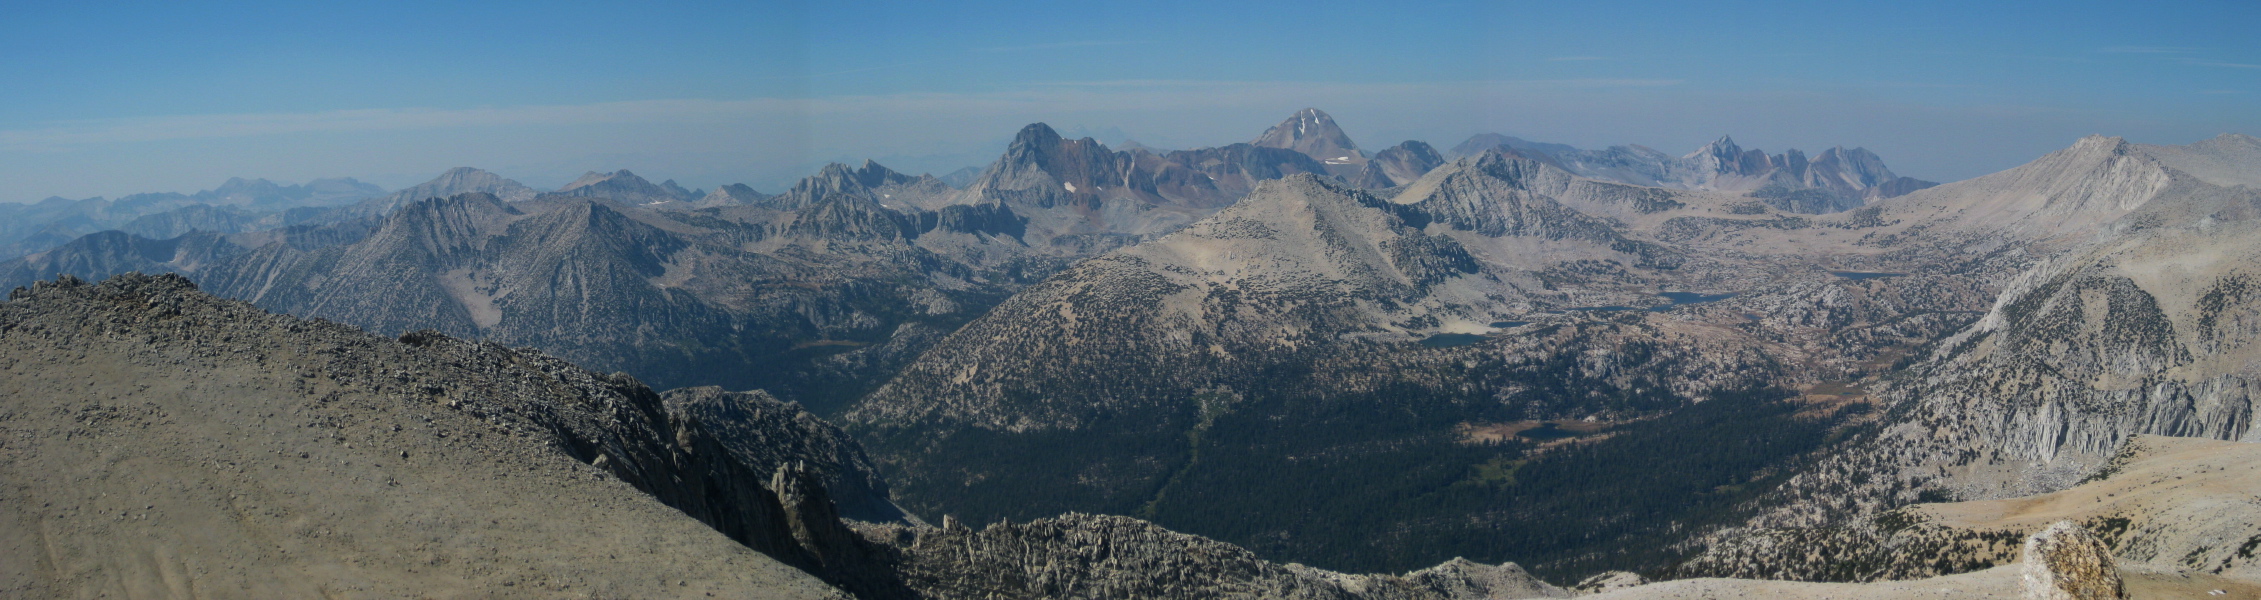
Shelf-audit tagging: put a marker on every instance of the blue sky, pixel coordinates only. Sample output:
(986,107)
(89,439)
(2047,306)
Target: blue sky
(113,98)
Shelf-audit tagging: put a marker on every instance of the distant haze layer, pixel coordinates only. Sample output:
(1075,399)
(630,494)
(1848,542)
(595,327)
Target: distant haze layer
(113,102)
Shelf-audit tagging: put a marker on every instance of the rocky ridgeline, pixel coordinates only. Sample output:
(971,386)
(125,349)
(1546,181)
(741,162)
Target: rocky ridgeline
(774,436)
(1399,165)
(1835,180)
(1893,546)
(1094,556)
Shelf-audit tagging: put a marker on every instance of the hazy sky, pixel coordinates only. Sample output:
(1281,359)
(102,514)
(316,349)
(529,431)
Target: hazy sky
(114,98)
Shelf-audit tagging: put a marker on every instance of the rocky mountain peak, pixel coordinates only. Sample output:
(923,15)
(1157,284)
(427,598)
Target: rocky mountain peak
(1724,157)
(1314,133)
(836,180)
(2065,195)
(248,187)
(342,187)
(679,191)
(1857,167)
(874,175)
(1034,139)
(1507,165)
(624,186)
(461,180)
(1399,165)
(443,226)
(733,194)
(2228,159)
(1040,158)
(1478,143)
(2100,145)
(593,178)
(1723,147)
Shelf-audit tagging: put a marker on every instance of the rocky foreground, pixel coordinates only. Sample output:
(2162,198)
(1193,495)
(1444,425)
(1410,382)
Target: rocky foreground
(159,442)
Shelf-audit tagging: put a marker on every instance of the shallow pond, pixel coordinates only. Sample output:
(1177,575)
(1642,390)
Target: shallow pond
(1546,431)
(1448,340)
(1679,298)
(1857,275)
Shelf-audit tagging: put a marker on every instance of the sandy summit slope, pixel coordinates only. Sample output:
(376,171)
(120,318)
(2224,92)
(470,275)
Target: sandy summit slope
(157,442)
(1998,582)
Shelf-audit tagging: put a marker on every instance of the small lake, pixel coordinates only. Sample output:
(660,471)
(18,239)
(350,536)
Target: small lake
(1679,298)
(1676,299)
(1448,340)
(1546,431)
(1858,276)
(1507,324)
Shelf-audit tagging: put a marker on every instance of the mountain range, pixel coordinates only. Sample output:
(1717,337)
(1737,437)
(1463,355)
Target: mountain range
(1837,179)
(1726,364)
(1291,321)
(236,205)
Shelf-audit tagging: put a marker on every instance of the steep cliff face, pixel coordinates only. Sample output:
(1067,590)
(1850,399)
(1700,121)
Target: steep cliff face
(2139,335)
